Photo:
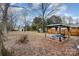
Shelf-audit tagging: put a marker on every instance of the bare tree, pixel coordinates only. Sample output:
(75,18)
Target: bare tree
(4,9)
(24,14)
(64,20)
(70,19)
(77,21)
(12,16)
(5,16)
(47,10)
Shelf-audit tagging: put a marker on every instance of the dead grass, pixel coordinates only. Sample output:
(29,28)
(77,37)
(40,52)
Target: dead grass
(23,39)
(38,45)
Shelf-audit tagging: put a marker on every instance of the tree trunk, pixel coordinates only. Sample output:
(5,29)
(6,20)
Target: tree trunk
(43,25)
(1,43)
(5,28)
(5,16)
(0,48)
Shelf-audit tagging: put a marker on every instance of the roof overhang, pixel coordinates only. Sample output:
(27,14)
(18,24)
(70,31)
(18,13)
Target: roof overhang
(57,25)
(63,25)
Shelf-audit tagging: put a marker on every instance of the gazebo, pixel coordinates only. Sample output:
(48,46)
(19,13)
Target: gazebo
(59,27)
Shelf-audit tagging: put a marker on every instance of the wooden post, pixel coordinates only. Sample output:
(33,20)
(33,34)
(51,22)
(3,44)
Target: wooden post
(68,32)
(45,35)
(60,39)
(56,28)
(60,33)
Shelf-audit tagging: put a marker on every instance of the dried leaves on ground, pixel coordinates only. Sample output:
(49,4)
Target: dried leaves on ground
(38,45)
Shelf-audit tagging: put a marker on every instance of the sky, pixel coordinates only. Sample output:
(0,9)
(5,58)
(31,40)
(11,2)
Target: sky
(32,10)
(72,9)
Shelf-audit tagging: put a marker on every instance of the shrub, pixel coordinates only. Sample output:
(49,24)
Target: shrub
(23,39)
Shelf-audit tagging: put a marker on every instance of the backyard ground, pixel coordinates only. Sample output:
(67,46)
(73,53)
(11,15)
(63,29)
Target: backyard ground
(38,45)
